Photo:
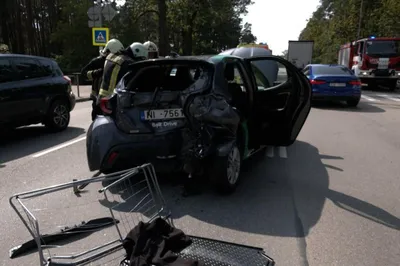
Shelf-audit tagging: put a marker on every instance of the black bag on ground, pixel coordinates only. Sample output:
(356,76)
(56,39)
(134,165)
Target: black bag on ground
(157,243)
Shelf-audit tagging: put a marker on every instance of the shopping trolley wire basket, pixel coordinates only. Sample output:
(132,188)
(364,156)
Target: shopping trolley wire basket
(131,196)
(139,182)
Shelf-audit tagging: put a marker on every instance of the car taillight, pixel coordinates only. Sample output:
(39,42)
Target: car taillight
(317,82)
(355,82)
(105,106)
(67,79)
(112,158)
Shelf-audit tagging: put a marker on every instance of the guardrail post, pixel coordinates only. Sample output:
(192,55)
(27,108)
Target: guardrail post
(77,84)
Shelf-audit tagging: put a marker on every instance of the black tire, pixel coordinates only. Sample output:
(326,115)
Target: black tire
(224,180)
(353,102)
(392,85)
(58,116)
(372,85)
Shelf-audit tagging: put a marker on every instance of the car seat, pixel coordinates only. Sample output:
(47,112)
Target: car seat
(235,90)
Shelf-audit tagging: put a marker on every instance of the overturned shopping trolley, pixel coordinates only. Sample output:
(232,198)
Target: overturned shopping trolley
(130,197)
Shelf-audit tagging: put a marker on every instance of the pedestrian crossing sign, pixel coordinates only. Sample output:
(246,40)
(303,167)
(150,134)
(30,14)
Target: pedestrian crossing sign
(100,36)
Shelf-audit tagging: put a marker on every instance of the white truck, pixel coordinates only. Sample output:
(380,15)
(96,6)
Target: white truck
(300,53)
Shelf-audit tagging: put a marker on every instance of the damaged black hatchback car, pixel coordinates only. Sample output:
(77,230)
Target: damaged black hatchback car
(199,115)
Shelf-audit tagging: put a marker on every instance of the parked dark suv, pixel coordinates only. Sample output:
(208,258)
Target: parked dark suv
(34,90)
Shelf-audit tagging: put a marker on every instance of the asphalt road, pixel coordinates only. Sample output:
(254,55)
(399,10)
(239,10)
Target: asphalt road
(332,198)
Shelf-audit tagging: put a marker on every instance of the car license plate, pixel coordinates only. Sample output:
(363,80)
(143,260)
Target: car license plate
(162,114)
(337,84)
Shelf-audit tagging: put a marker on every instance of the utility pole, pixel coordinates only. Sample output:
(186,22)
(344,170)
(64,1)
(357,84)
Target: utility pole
(360,19)
(97,12)
(101,23)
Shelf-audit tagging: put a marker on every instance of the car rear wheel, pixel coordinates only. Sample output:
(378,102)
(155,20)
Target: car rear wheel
(353,102)
(58,116)
(226,171)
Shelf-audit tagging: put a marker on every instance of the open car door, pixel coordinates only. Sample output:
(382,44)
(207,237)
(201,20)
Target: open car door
(282,101)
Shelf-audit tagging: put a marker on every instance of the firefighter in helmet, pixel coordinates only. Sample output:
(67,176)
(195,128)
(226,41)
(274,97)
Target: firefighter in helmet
(172,54)
(116,66)
(4,49)
(153,49)
(94,71)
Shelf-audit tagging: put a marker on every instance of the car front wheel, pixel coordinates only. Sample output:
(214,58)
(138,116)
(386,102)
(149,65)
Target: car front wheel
(58,116)
(226,171)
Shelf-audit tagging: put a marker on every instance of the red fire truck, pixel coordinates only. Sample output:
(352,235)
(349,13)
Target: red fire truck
(376,61)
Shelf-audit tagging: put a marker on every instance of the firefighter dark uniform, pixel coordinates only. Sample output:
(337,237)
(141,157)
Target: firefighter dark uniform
(117,65)
(94,72)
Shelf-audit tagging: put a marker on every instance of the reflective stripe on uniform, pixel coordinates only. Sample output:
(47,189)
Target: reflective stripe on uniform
(113,82)
(89,75)
(114,76)
(115,59)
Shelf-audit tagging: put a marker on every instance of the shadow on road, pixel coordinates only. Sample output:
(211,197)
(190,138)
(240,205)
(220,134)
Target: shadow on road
(339,106)
(29,140)
(279,197)
(381,88)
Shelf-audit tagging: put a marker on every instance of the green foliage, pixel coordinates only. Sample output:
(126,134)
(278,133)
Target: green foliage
(59,28)
(335,22)
(246,34)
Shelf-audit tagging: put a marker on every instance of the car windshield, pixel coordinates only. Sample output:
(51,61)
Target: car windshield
(383,48)
(331,70)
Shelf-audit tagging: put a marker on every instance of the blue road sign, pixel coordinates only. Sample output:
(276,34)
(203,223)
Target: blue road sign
(100,36)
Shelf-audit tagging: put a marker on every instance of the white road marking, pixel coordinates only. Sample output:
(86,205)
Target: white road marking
(282,152)
(57,147)
(369,98)
(388,97)
(270,151)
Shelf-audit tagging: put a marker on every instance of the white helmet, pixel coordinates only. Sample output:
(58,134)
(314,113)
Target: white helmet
(153,49)
(112,46)
(139,50)
(151,46)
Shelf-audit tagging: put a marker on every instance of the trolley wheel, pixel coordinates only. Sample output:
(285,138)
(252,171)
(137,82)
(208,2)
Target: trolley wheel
(226,171)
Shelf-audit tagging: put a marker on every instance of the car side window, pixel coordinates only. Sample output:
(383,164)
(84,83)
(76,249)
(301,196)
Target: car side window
(6,71)
(239,79)
(236,85)
(306,71)
(268,73)
(47,67)
(28,68)
(57,69)
(234,76)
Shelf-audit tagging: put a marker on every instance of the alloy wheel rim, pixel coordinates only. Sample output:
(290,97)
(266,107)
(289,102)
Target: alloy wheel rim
(60,116)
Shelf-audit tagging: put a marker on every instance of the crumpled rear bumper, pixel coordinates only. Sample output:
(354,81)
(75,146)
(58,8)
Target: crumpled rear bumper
(108,149)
